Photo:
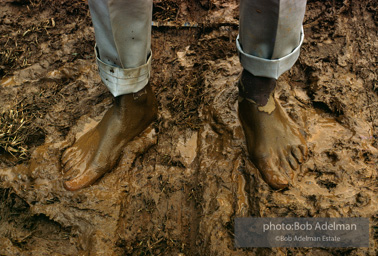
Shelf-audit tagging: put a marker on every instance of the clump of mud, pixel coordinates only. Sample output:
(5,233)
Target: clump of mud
(180,184)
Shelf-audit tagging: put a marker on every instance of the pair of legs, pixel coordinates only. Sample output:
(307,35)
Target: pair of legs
(268,43)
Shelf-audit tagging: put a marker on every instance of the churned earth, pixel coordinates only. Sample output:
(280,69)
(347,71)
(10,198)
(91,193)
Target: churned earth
(179,186)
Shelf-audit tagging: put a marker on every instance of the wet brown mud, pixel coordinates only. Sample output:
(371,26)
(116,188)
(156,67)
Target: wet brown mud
(178,186)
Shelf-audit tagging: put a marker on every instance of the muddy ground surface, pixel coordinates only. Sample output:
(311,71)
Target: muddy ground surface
(179,186)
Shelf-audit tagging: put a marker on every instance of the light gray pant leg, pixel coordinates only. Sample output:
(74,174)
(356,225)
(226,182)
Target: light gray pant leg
(123,43)
(270,35)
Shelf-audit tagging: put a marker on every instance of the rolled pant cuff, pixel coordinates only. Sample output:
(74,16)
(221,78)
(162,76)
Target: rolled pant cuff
(121,81)
(266,67)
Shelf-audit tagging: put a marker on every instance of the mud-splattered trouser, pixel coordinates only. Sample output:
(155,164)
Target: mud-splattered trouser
(269,39)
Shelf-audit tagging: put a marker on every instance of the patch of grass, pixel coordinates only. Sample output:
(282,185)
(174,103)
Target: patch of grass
(17,128)
(14,129)
(166,10)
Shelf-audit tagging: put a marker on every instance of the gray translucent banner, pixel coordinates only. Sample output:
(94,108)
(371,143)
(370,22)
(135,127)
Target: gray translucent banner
(301,232)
